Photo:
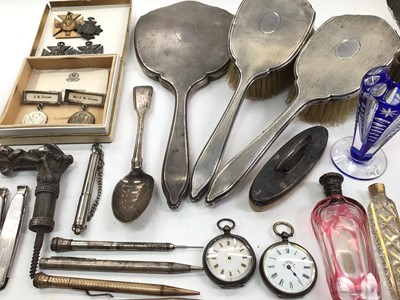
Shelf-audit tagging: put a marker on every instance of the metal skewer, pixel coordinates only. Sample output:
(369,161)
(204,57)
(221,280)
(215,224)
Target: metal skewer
(92,264)
(64,245)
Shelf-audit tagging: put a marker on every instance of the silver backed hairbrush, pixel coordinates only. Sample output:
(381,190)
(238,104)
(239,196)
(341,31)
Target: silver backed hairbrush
(328,68)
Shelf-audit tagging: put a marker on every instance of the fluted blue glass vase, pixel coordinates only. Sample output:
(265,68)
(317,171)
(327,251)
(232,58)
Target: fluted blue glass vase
(377,121)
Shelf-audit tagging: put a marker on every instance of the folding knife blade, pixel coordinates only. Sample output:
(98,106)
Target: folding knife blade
(11,232)
(3,206)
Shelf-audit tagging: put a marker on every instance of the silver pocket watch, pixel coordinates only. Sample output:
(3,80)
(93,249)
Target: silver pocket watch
(287,268)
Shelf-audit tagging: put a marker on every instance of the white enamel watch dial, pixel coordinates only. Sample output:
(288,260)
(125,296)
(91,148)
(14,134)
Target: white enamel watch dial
(288,268)
(229,260)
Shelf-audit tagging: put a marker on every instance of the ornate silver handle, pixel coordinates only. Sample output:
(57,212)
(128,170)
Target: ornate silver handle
(209,159)
(175,171)
(239,166)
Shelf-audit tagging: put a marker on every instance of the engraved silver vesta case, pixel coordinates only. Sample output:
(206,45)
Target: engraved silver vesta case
(183,46)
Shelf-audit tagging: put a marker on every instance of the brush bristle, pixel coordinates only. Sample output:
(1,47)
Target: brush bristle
(332,113)
(270,85)
(266,87)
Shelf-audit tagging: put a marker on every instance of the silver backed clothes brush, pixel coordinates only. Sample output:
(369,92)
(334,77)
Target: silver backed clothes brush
(264,37)
(329,67)
(183,46)
(10,232)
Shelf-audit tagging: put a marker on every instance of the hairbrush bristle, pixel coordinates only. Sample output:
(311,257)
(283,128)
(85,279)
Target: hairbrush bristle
(270,85)
(332,113)
(266,87)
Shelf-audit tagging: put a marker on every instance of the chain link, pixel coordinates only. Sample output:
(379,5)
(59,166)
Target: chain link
(100,168)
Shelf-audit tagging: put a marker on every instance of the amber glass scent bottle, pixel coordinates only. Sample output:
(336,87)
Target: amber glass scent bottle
(341,227)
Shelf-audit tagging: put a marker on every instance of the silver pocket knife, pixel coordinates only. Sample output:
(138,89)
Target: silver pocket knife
(10,232)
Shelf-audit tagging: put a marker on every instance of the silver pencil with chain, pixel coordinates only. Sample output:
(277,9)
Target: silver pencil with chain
(94,172)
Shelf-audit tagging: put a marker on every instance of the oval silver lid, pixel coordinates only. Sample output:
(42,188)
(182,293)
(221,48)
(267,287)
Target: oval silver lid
(287,167)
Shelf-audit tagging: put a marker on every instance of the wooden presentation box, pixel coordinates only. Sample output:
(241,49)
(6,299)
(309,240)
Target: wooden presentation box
(90,73)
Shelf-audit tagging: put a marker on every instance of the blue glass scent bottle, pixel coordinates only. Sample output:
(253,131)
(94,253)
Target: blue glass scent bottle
(377,118)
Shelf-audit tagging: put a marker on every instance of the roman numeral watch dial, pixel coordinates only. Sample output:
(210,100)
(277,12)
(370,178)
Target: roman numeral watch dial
(287,268)
(228,259)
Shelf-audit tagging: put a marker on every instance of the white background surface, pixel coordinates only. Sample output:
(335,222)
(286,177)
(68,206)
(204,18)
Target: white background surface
(192,223)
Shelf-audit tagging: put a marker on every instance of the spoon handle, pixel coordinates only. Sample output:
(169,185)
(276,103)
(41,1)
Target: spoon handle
(141,102)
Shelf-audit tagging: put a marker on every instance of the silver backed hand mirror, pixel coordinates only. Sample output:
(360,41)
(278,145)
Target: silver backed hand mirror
(183,46)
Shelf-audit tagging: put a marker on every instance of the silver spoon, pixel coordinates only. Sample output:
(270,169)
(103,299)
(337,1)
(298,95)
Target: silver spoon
(132,193)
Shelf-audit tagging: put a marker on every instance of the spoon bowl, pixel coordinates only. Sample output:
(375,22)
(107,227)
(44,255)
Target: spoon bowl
(132,195)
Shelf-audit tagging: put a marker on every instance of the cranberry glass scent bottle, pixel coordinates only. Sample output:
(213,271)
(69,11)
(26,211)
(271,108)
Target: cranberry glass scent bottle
(341,227)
